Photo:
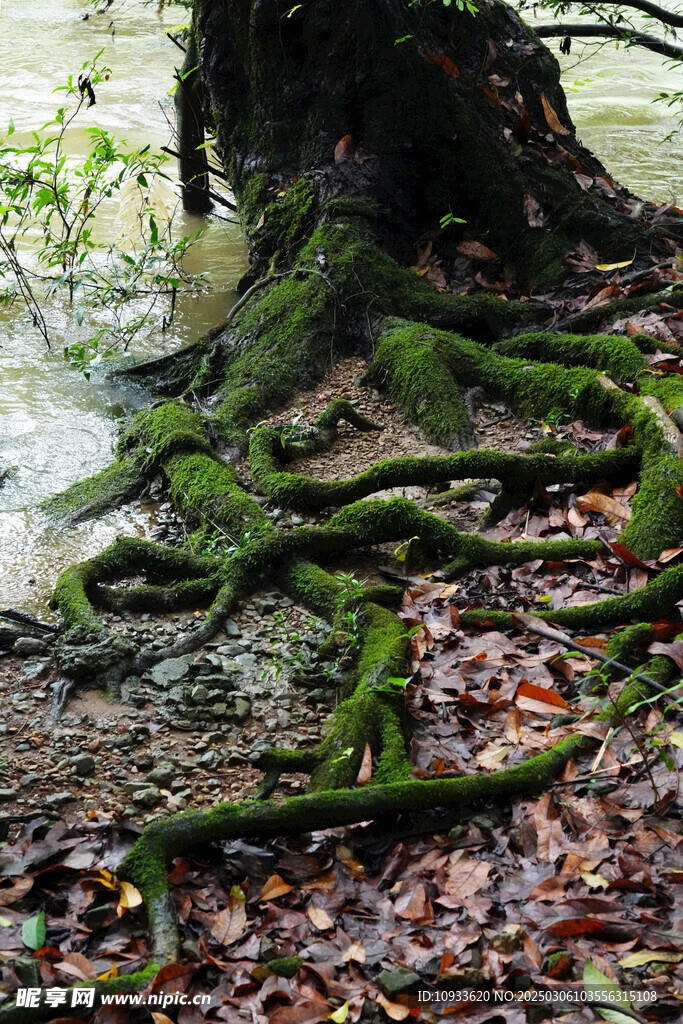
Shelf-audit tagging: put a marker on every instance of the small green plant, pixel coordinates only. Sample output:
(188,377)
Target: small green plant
(351,589)
(48,208)
(450,218)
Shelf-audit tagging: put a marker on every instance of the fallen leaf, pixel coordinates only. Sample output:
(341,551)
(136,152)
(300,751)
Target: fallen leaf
(130,897)
(356,951)
(476,251)
(365,771)
(648,956)
(19,888)
(445,63)
(533,212)
(595,501)
(319,918)
(394,1011)
(340,1015)
(540,700)
(552,118)
(466,877)
(345,150)
(275,886)
(229,923)
(615,266)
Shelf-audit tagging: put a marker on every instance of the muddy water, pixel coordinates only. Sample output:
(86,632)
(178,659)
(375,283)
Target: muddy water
(55,426)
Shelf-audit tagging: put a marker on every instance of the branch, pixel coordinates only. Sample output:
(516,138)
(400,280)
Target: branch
(660,13)
(577,29)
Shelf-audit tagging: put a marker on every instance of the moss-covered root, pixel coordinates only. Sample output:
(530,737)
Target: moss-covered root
(145,865)
(10,1013)
(519,472)
(127,556)
(340,409)
(651,602)
(96,495)
(418,381)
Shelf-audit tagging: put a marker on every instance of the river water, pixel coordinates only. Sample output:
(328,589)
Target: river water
(55,426)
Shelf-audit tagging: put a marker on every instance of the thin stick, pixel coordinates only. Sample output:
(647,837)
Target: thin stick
(530,623)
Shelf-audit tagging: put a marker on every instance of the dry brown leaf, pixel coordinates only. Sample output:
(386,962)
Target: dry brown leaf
(356,951)
(533,212)
(130,897)
(345,150)
(229,923)
(365,771)
(552,118)
(412,902)
(160,1018)
(319,918)
(274,886)
(594,501)
(476,251)
(466,877)
(394,1011)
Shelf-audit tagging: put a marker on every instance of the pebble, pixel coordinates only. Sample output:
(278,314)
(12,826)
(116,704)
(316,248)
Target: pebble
(84,764)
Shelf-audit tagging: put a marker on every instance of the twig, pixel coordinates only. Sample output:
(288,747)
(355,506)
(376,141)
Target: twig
(529,623)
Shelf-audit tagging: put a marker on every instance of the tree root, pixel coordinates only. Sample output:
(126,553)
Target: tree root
(295,491)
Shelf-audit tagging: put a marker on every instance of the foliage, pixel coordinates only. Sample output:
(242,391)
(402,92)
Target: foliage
(48,208)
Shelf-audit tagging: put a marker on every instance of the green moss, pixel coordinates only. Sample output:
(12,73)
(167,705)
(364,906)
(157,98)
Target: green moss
(616,356)
(98,494)
(285,966)
(623,644)
(519,471)
(208,494)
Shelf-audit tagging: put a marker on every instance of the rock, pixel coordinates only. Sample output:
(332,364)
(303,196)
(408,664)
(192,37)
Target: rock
(84,764)
(27,645)
(163,775)
(212,760)
(143,760)
(199,694)
(231,628)
(239,709)
(57,799)
(149,796)
(105,656)
(30,779)
(172,670)
(7,794)
(246,661)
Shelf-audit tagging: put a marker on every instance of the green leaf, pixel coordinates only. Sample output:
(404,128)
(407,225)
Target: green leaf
(33,931)
(599,987)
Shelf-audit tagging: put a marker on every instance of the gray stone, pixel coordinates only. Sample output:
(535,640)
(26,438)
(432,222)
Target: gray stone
(7,794)
(163,775)
(212,759)
(84,764)
(27,645)
(239,709)
(199,694)
(57,799)
(171,670)
(231,628)
(147,797)
(246,661)
(30,779)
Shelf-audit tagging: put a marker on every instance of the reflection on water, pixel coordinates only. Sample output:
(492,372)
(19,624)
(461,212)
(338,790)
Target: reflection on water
(54,426)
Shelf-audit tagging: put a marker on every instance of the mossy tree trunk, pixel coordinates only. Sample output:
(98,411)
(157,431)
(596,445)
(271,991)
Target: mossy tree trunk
(430,124)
